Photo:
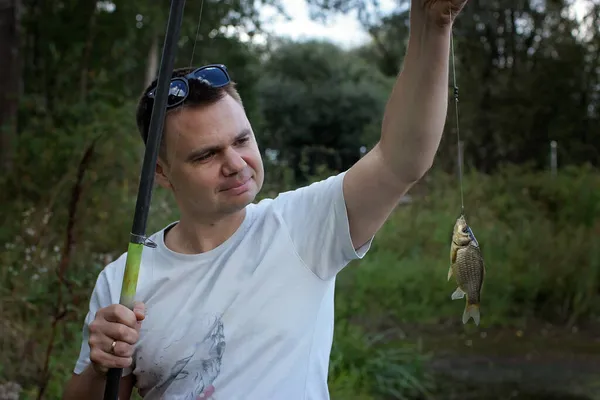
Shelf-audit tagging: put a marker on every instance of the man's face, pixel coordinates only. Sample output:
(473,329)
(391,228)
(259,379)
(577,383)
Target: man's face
(214,166)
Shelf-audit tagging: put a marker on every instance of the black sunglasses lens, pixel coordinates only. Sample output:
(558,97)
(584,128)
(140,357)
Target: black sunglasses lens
(177,92)
(213,76)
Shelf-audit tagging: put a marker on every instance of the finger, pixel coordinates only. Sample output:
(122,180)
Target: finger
(121,349)
(120,332)
(139,310)
(106,356)
(100,328)
(120,314)
(116,347)
(105,360)
(105,343)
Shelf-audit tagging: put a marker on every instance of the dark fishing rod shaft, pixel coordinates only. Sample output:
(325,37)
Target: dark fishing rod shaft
(144,197)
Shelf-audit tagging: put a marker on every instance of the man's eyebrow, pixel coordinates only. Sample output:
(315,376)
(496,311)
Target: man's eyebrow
(201,152)
(244,133)
(205,150)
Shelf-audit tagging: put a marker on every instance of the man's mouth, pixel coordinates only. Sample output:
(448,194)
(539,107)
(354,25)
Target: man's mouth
(238,184)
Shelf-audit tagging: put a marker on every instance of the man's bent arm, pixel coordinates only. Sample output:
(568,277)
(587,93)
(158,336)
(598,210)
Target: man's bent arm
(90,386)
(411,131)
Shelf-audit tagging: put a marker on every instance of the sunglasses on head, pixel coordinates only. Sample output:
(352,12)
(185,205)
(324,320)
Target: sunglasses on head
(214,75)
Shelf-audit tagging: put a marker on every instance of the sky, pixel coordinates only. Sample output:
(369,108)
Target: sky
(343,30)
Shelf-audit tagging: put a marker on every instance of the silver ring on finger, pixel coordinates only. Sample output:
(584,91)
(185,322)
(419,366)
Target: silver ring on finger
(112,347)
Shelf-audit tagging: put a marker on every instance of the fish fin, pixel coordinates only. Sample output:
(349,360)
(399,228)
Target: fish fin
(453,253)
(450,272)
(471,311)
(458,294)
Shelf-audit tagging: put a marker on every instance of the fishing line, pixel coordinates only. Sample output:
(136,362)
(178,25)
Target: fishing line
(173,148)
(458,143)
(180,108)
(197,32)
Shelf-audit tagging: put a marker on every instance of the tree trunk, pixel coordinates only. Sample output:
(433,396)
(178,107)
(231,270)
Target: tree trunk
(9,80)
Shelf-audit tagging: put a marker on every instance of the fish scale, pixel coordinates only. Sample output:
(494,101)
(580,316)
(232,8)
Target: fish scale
(469,272)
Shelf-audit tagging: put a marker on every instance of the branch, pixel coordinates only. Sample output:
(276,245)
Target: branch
(59,310)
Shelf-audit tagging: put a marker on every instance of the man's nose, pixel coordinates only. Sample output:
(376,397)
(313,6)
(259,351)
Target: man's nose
(234,162)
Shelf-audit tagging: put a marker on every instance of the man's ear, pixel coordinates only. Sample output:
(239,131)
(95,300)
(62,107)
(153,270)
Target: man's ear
(160,175)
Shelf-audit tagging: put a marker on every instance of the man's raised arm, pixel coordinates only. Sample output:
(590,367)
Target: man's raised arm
(412,124)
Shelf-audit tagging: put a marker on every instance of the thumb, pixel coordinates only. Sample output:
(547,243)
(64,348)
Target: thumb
(139,309)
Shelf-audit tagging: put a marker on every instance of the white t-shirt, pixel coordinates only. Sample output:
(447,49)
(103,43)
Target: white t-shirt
(251,319)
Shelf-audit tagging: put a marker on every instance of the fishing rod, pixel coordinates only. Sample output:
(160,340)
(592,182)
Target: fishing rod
(138,238)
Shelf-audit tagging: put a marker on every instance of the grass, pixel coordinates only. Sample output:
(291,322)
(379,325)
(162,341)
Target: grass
(538,235)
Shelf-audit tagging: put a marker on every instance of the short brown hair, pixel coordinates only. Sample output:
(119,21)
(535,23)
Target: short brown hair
(200,95)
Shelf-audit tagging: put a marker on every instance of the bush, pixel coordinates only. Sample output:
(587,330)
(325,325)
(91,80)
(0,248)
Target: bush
(364,366)
(538,234)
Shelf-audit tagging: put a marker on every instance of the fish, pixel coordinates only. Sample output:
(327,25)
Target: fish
(467,266)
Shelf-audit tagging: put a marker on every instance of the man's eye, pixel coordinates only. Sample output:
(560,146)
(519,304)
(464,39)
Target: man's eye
(242,141)
(204,157)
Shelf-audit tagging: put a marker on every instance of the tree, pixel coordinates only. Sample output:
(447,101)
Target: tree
(10,79)
(319,105)
(528,73)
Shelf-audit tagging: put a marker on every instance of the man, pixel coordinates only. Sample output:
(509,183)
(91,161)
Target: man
(236,300)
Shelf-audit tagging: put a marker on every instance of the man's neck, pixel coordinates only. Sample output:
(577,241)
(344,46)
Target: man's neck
(193,237)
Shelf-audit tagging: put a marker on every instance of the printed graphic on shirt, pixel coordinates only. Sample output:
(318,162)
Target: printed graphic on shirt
(187,366)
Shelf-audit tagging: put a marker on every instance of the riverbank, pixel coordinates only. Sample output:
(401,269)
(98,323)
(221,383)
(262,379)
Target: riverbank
(541,362)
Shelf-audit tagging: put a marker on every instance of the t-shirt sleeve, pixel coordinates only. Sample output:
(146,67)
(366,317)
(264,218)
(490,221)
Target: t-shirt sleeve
(103,295)
(317,221)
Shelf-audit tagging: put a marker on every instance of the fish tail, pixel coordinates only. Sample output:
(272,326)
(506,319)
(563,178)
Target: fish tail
(471,311)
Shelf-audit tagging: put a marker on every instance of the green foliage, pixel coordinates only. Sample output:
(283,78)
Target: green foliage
(527,73)
(366,10)
(539,240)
(519,92)
(323,112)
(366,365)
(389,43)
